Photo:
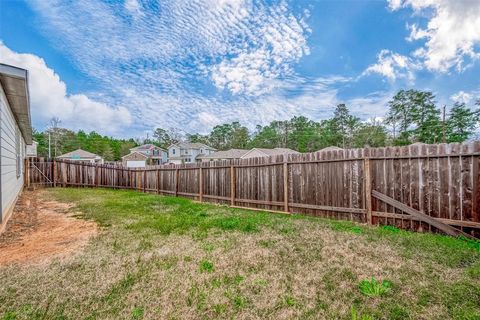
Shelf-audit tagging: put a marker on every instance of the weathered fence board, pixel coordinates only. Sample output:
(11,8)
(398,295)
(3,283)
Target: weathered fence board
(440,181)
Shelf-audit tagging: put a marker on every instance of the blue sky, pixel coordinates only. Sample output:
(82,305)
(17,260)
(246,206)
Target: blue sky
(124,67)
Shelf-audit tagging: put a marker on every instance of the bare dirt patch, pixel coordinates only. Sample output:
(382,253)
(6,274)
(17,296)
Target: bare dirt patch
(40,230)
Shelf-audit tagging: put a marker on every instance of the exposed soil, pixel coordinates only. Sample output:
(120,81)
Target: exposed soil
(41,229)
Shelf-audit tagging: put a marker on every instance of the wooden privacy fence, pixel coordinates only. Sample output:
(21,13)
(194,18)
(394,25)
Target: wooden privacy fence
(417,187)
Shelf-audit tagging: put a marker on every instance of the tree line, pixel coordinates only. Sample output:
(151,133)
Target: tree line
(412,116)
(62,140)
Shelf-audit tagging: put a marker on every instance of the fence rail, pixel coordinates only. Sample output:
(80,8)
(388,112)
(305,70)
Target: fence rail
(439,181)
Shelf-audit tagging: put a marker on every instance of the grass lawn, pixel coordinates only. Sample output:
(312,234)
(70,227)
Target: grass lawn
(170,258)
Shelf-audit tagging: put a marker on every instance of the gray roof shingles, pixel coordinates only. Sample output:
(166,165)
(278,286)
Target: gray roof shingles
(79,153)
(226,154)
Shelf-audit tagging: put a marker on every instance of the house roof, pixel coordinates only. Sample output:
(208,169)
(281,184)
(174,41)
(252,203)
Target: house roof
(14,82)
(147,146)
(178,157)
(191,145)
(79,154)
(272,152)
(226,154)
(133,155)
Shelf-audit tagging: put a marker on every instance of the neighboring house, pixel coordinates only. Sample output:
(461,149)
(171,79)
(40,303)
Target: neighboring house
(263,152)
(145,154)
(184,152)
(224,155)
(135,160)
(156,155)
(32,150)
(245,154)
(82,156)
(15,135)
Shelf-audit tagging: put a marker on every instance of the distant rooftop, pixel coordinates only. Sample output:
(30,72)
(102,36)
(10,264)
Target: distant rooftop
(226,154)
(147,146)
(276,151)
(79,154)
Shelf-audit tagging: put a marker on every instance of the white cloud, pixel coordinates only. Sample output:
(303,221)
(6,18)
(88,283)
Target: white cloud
(392,66)
(452,34)
(279,41)
(133,6)
(314,98)
(49,98)
(461,96)
(245,45)
(193,65)
(189,64)
(208,120)
(372,106)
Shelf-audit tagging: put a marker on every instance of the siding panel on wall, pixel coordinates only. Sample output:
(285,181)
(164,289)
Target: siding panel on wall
(11,185)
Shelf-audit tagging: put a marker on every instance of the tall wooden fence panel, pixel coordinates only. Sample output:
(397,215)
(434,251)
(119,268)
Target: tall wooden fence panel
(440,181)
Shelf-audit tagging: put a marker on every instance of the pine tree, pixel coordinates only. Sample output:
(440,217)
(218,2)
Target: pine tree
(415,116)
(345,125)
(426,117)
(400,116)
(461,122)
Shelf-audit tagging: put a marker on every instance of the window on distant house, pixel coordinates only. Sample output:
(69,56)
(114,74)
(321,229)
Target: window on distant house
(173,151)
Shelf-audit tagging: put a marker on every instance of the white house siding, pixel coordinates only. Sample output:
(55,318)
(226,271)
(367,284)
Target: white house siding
(135,163)
(31,151)
(175,161)
(164,156)
(173,151)
(189,155)
(12,154)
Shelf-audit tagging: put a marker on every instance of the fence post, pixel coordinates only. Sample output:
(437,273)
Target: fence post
(158,181)
(97,174)
(200,184)
(54,173)
(176,182)
(368,190)
(130,182)
(233,185)
(144,180)
(26,172)
(285,185)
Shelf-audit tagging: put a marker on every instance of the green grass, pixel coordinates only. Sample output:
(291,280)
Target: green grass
(172,258)
(206,266)
(374,288)
(142,213)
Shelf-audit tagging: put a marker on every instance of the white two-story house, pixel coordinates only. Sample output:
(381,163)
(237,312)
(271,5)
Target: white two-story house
(147,154)
(185,152)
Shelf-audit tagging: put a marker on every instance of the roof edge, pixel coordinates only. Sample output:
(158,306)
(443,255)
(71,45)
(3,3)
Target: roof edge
(19,73)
